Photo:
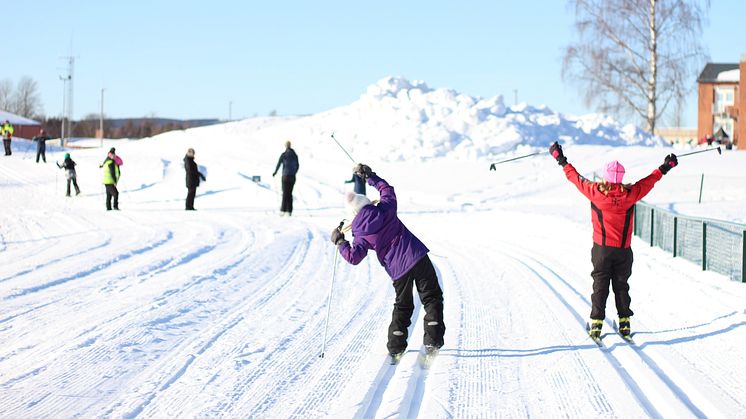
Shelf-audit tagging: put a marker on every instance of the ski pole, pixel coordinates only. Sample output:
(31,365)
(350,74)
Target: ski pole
(492,166)
(343,149)
(700,151)
(329,298)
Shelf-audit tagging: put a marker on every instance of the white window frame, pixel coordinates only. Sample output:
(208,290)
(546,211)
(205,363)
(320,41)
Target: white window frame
(724,96)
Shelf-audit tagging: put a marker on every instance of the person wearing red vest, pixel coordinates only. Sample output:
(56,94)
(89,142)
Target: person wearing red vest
(612,215)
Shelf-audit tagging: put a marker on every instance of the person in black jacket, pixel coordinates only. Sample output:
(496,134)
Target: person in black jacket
(193,175)
(41,149)
(290,165)
(359,186)
(69,166)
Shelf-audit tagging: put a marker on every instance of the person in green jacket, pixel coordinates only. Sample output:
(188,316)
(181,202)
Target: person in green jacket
(6,131)
(111,177)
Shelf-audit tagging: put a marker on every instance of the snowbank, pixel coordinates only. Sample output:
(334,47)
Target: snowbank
(399,120)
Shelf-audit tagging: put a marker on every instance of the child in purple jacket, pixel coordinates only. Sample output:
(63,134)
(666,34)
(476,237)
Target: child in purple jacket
(404,256)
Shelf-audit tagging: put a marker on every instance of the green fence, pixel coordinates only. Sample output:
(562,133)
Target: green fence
(717,246)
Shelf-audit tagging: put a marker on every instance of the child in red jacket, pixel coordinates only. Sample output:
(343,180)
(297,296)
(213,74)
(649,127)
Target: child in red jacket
(612,215)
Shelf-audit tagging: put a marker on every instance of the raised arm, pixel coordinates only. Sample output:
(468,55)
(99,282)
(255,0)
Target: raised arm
(643,186)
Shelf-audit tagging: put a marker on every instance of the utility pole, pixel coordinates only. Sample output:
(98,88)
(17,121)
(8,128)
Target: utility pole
(67,105)
(64,108)
(101,120)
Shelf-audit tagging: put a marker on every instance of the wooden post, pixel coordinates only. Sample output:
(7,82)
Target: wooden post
(701,184)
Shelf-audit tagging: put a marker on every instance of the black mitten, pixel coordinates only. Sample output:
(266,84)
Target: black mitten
(668,163)
(556,151)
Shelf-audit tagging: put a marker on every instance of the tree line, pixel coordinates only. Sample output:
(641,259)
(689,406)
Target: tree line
(23,99)
(118,128)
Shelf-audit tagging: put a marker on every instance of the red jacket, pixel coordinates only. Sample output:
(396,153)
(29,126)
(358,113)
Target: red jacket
(613,214)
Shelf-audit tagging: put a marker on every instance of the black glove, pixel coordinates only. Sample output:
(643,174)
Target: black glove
(364,171)
(337,236)
(669,163)
(556,151)
(273,174)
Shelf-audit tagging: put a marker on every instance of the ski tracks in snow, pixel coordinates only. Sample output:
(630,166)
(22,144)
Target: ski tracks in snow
(661,392)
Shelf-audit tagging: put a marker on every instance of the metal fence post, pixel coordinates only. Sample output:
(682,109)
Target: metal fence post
(743,258)
(675,234)
(701,183)
(652,219)
(704,246)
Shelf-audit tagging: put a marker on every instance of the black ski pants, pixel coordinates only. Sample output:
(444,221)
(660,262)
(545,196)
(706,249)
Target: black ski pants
(75,183)
(288,182)
(191,193)
(6,143)
(112,192)
(423,276)
(611,265)
(41,151)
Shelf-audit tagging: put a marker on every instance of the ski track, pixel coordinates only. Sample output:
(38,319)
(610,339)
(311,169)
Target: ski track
(223,317)
(634,381)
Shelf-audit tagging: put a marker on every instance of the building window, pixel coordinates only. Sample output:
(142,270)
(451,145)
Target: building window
(724,96)
(725,122)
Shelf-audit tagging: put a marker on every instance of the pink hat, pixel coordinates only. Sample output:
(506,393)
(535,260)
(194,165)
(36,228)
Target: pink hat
(613,172)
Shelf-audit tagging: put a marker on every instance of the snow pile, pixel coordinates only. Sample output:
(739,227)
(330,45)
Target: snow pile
(399,120)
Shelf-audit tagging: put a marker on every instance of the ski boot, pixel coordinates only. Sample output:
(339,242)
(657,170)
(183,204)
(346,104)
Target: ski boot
(624,327)
(595,329)
(394,358)
(426,359)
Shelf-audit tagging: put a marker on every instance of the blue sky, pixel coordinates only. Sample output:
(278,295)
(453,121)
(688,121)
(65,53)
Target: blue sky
(185,59)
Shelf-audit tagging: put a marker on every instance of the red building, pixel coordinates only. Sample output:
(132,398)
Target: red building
(722,98)
(22,127)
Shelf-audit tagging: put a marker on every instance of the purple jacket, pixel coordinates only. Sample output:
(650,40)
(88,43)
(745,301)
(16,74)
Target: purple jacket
(377,227)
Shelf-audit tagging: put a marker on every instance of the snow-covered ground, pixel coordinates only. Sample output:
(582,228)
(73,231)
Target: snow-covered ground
(153,311)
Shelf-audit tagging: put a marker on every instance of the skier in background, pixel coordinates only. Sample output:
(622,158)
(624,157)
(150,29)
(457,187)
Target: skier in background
(111,177)
(289,162)
(612,215)
(6,131)
(41,148)
(193,175)
(117,160)
(403,256)
(69,165)
(359,184)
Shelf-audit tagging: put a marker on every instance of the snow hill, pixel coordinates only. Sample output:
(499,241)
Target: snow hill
(399,120)
(154,311)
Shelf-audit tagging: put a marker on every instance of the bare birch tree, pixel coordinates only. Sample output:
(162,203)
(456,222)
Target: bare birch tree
(635,57)
(27,103)
(6,95)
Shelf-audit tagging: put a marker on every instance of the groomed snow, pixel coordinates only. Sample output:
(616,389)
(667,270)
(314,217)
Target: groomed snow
(154,311)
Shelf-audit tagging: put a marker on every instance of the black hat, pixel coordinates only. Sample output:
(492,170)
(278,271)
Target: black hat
(113,150)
